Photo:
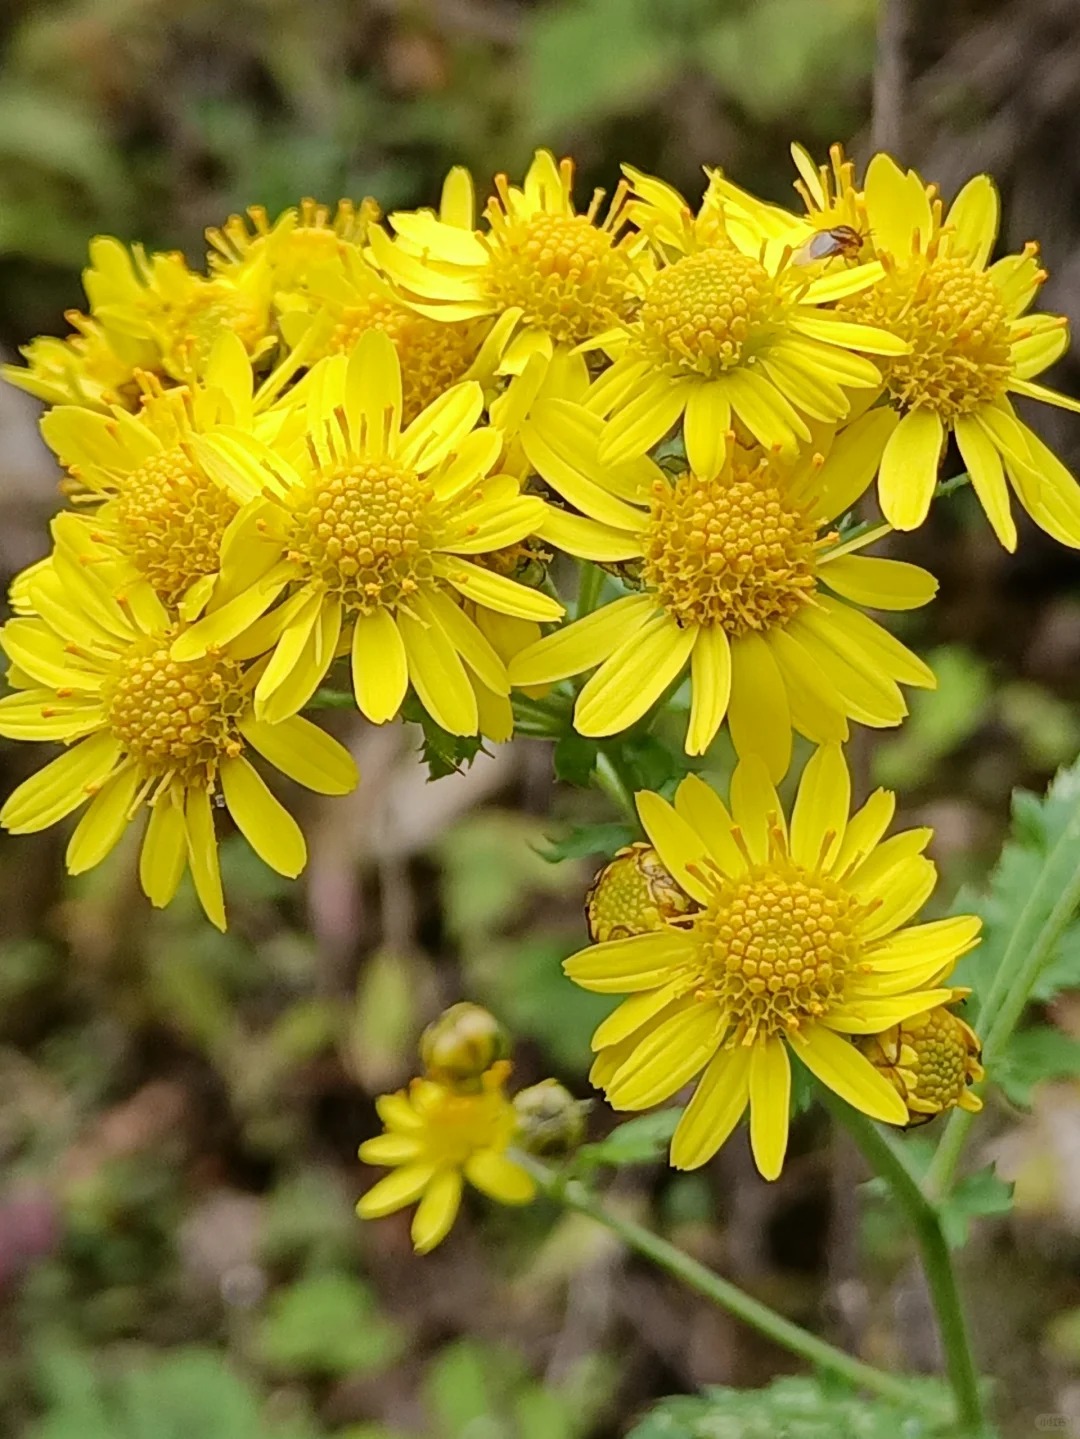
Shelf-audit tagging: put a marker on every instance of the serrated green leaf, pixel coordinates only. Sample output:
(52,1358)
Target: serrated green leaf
(1034,1056)
(574,759)
(795,1409)
(976,1196)
(585,840)
(637,1141)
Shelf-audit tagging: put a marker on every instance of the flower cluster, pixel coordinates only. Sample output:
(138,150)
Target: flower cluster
(355,443)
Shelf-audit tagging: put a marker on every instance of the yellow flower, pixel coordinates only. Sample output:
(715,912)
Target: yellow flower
(732,577)
(633,894)
(931,1059)
(94,672)
(970,347)
(567,276)
(368,526)
(162,516)
(435,1138)
(83,369)
(172,315)
(730,328)
(799,944)
(302,237)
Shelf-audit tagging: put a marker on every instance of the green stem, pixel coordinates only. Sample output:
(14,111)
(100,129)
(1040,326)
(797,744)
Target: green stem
(1028,950)
(886,1160)
(590,583)
(607,778)
(573,1195)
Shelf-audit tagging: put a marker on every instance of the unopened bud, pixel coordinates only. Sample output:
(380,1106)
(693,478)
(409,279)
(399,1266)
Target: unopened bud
(930,1060)
(464,1042)
(549,1119)
(633,894)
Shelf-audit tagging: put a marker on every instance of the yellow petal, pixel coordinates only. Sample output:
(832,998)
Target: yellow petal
(499,1177)
(163,856)
(437,608)
(203,856)
(909,469)
(872,1015)
(105,820)
(438,676)
(983,462)
(821,808)
(394,1192)
(304,752)
(496,592)
(710,687)
(888,206)
(864,830)
(644,420)
(391,1149)
(707,815)
(718,1104)
(437,1210)
(973,219)
(264,822)
(62,786)
(681,848)
(373,393)
(840,1066)
(706,428)
(581,645)
(758,715)
(587,539)
(942,940)
(879,584)
(628,966)
(380,673)
(770,1105)
(755,805)
(667,1058)
(634,677)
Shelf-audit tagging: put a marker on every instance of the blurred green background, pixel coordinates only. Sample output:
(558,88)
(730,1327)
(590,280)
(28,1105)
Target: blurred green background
(179,1111)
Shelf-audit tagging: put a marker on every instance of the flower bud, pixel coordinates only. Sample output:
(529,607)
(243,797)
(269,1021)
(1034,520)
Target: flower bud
(464,1042)
(633,894)
(931,1060)
(549,1119)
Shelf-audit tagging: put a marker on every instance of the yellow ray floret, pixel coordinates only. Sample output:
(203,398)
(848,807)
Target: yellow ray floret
(370,530)
(568,276)
(304,236)
(799,943)
(143,729)
(970,347)
(435,1138)
(738,579)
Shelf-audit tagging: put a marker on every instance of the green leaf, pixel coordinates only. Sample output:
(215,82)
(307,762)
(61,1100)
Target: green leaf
(575,759)
(1034,1056)
(793,1409)
(327,1324)
(648,763)
(976,1196)
(585,840)
(637,1141)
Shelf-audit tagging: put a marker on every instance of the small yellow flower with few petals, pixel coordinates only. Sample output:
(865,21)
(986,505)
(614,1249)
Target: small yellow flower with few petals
(83,369)
(435,1139)
(971,346)
(94,672)
(931,1059)
(301,238)
(733,330)
(567,276)
(368,527)
(170,316)
(799,944)
(733,575)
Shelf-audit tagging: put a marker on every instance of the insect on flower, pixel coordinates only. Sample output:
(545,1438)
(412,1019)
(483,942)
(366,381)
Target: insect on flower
(826,244)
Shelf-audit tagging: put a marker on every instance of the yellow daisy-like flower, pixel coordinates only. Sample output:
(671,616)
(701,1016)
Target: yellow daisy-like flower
(799,944)
(174,315)
(161,515)
(733,577)
(568,277)
(931,1059)
(368,526)
(95,672)
(970,347)
(83,369)
(302,237)
(734,330)
(435,1139)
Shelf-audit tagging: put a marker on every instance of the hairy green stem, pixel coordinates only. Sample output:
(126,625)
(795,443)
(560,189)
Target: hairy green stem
(606,777)
(573,1195)
(885,1159)
(1028,950)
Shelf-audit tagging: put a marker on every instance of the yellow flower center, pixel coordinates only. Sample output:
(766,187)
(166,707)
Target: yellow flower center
(365,530)
(570,277)
(957,326)
(434,354)
(730,551)
(460,1124)
(171,517)
(633,895)
(177,718)
(195,326)
(777,947)
(703,314)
